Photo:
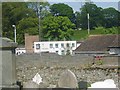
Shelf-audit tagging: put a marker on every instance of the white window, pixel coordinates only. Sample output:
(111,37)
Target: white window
(56,45)
(51,45)
(37,46)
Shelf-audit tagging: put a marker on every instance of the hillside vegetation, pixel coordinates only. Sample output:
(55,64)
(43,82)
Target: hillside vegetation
(83,34)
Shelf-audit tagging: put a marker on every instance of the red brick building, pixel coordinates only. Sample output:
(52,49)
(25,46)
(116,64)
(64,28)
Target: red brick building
(29,42)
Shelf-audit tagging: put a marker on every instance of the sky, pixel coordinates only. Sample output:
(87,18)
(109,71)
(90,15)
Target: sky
(76,4)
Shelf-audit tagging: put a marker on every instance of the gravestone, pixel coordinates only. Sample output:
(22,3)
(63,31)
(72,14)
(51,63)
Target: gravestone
(68,80)
(7,63)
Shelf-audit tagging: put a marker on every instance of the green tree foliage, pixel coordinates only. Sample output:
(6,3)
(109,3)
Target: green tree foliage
(27,25)
(12,13)
(77,22)
(96,17)
(24,16)
(57,28)
(40,8)
(111,17)
(62,9)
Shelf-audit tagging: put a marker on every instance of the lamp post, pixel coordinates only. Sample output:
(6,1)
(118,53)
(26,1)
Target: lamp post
(14,32)
(88,23)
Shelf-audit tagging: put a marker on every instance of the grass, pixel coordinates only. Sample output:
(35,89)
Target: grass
(80,35)
(83,34)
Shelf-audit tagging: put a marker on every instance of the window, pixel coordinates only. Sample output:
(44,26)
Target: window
(56,45)
(62,45)
(56,51)
(68,45)
(62,52)
(73,44)
(51,45)
(37,46)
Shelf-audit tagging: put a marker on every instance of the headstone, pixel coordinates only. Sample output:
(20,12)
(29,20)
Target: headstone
(68,80)
(7,63)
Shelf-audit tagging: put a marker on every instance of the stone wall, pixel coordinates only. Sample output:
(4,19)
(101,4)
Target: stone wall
(51,66)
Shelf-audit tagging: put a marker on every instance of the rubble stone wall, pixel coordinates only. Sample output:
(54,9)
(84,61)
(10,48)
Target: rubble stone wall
(50,68)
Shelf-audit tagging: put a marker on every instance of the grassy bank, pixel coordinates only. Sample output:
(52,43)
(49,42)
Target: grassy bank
(83,34)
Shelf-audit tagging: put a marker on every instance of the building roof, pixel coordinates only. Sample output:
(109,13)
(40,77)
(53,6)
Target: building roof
(116,42)
(99,43)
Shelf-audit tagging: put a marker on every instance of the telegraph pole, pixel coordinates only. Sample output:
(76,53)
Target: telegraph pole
(88,18)
(88,23)
(38,6)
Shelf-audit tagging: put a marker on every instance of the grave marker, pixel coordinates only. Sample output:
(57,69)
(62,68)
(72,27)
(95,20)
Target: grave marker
(68,80)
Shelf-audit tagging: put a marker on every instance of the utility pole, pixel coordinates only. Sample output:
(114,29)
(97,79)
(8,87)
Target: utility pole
(39,10)
(88,23)
(88,18)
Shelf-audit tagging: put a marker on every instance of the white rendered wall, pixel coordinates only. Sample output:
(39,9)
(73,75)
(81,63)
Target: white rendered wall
(45,46)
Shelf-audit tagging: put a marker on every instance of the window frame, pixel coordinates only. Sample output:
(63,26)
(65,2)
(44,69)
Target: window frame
(56,45)
(37,46)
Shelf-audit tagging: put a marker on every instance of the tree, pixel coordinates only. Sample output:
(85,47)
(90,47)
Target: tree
(12,13)
(111,17)
(26,25)
(96,17)
(40,8)
(57,28)
(62,9)
(77,21)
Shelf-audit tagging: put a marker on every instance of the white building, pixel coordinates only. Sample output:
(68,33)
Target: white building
(59,47)
(20,51)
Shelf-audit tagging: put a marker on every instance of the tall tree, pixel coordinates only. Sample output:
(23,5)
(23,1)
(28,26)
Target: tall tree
(111,17)
(62,9)
(57,28)
(41,8)
(26,25)
(12,13)
(77,21)
(95,13)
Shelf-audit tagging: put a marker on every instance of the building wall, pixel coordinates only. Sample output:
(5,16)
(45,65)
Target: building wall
(29,42)
(59,47)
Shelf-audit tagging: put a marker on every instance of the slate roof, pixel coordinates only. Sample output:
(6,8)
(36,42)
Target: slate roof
(99,43)
(116,42)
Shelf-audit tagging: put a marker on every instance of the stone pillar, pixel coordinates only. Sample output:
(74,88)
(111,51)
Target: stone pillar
(7,63)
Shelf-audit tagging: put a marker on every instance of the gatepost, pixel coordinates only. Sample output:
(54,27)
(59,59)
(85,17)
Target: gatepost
(7,63)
